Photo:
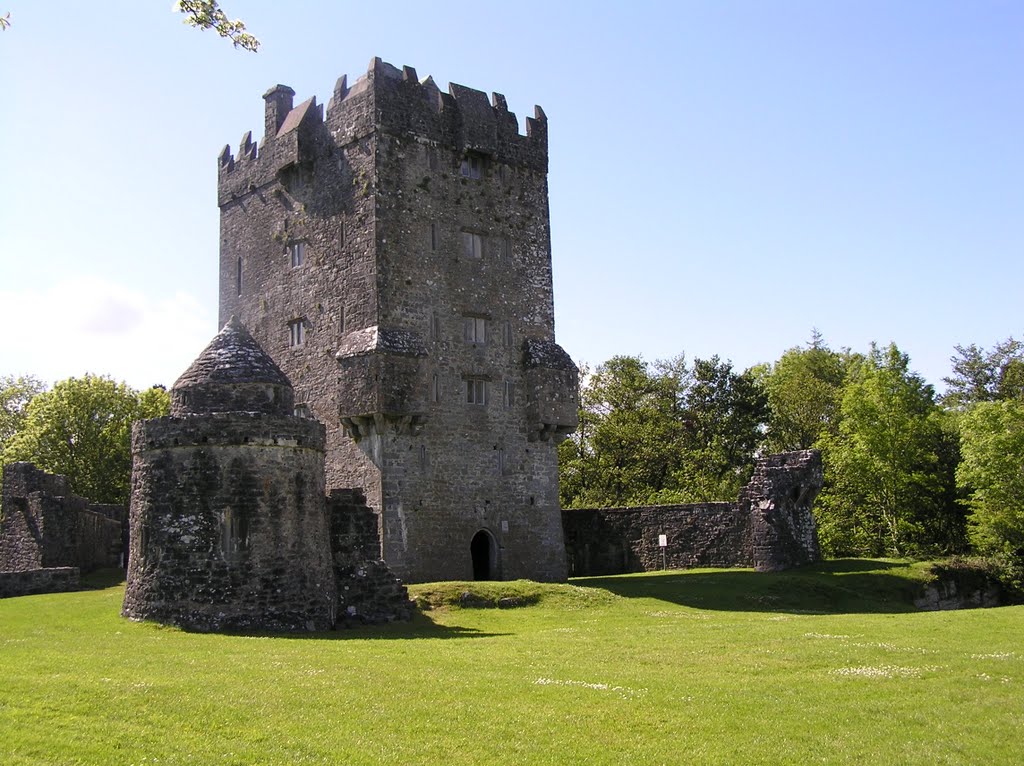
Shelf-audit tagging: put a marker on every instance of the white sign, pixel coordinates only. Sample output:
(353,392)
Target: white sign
(663,541)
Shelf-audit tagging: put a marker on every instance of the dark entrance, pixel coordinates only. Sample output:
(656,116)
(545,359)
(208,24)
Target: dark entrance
(482,551)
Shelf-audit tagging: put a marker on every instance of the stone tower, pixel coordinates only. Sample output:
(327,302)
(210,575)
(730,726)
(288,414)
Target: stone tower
(229,527)
(394,258)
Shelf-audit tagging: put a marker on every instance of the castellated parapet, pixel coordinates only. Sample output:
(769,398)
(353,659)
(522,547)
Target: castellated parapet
(393,256)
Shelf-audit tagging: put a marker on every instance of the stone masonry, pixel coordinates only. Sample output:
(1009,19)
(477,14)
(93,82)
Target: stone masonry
(394,258)
(45,525)
(769,528)
(229,521)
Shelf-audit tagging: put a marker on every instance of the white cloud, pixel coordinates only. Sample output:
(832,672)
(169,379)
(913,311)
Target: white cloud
(87,324)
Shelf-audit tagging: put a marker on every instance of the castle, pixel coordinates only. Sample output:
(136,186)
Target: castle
(394,259)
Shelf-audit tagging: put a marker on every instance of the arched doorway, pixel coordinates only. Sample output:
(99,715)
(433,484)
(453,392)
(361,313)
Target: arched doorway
(483,551)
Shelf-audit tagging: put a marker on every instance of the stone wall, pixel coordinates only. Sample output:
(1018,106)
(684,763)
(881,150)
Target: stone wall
(367,590)
(769,527)
(33,581)
(45,525)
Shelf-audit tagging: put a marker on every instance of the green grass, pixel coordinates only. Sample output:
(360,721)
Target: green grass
(828,664)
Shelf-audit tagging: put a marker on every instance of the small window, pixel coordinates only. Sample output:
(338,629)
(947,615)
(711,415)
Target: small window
(234,534)
(301,411)
(238,277)
(435,327)
(435,389)
(476,391)
(502,462)
(472,244)
(341,232)
(433,237)
(472,166)
(508,397)
(423,457)
(475,329)
(506,249)
(297,252)
(431,158)
(296,333)
(341,320)
(506,334)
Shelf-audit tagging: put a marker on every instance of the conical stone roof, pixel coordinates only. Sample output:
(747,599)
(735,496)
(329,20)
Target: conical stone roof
(233,374)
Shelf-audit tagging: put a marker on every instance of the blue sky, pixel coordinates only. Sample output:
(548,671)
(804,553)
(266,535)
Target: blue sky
(725,176)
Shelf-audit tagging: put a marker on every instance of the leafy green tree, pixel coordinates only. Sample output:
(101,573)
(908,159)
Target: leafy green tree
(889,468)
(661,433)
(723,416)
(992,469)
(986,376)
(805,392)
(81,428)
(15,394)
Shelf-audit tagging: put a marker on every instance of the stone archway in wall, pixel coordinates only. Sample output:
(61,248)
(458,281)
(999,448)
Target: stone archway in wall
(484,551)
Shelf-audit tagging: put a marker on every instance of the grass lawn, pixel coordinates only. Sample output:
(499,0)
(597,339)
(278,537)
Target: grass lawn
(828,664)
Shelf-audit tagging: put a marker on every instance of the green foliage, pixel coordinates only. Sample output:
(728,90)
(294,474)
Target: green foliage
(824,664)
(662,433)
(81,429)
(986,376)
(207,14)
(889,467)
(805,392)
(15,394)
(992,468)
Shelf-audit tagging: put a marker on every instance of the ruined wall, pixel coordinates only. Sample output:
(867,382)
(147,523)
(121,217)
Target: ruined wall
(425,301)
(367,590)
(770,527)
(33,581)
(45,525)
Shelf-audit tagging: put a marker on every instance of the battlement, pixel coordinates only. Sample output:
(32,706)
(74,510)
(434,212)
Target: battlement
(391,100)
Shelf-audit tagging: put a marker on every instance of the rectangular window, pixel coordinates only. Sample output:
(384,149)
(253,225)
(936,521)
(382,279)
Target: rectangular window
(472,166)
(341,320)
(435,389)
(506,249)
(423,457)
(476,391)
(506,334)
(475,329)
(301,411)
(296,333)
(435,327)
(508,397)
(297,252)
(472,245)
(341,232)
(433,237)
(432,158)
(238,277)
(502,462)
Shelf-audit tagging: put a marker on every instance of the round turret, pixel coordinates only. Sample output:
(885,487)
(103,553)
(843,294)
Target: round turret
(232,374)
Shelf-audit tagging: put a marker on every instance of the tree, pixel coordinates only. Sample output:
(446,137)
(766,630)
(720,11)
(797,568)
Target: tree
(992,470)
(665,433)
(207,14)
(889,469)
(805,392)
(81,429)
(15,394)
(986,376)
(202,14)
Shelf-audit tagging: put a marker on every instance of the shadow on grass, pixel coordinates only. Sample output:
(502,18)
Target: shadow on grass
(846,586)
(420,626)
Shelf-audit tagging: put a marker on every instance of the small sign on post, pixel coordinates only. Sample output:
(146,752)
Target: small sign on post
(663,544)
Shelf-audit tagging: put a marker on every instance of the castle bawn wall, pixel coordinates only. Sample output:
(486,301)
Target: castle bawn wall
(44,525)
(401,317)
(35,581)
(770,527)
